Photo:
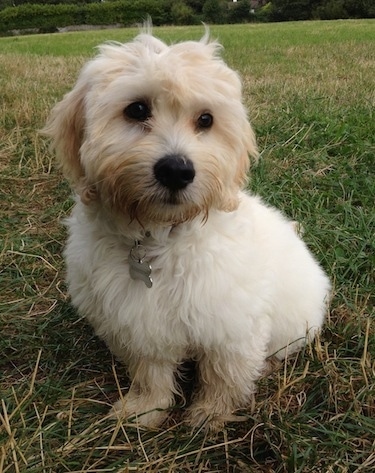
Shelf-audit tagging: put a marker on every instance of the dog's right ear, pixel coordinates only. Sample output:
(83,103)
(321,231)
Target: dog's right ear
(65,127)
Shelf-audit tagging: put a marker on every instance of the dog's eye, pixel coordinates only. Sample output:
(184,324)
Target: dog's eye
(206,120)
(138,111)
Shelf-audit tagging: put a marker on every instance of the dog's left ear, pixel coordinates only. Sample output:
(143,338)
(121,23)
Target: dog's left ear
(250,150)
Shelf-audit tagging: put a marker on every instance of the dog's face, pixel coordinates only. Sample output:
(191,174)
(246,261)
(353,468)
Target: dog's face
(156,132)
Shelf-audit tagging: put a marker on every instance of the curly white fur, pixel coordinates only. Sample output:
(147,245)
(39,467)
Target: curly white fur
(232,281)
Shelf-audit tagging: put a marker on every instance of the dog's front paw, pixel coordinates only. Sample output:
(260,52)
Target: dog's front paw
(201,419)
(146,412)
(203,416)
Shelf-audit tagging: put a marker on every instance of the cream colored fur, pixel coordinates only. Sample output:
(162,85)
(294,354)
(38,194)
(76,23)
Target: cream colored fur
(232,281)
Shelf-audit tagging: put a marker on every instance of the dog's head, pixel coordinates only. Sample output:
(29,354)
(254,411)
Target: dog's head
(154,131)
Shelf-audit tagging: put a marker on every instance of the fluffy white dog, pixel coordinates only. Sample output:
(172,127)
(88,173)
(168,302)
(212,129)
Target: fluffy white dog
(168,258)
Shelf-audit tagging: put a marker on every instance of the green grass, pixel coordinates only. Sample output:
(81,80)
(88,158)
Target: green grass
(265,38)
(310,93)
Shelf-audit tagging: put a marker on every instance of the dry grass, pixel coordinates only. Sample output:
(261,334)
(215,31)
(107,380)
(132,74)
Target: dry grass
(312,110)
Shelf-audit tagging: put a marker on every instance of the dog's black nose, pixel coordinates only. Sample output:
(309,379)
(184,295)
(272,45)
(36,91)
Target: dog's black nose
(174,171)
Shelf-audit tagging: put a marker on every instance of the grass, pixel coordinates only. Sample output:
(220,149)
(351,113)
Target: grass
(309,89)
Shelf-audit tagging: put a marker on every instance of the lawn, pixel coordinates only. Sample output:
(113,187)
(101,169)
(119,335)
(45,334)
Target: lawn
(309,88)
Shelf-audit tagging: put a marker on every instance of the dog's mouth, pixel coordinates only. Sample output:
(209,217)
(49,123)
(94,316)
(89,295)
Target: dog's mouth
(173,198)
(165,198)
(152,202)
(172,207)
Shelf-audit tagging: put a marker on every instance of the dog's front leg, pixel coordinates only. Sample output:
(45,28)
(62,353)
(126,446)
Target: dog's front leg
(151,392)
(226,383)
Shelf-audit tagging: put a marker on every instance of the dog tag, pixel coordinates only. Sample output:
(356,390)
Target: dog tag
(139,269)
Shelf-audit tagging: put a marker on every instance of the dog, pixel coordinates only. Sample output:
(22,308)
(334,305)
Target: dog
(168,257)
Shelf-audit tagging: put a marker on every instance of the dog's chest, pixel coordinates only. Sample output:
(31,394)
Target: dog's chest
(182,297)
(189,303)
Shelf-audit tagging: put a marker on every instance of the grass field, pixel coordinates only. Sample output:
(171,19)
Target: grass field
(310,92)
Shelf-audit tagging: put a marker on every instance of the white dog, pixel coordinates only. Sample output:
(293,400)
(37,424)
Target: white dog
(168,258)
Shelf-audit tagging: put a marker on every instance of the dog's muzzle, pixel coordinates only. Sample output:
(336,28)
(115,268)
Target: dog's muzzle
(174,171)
